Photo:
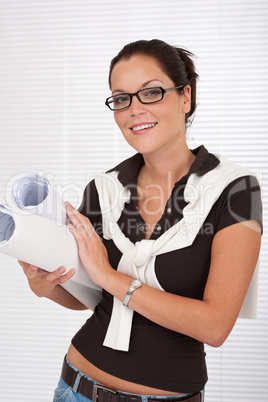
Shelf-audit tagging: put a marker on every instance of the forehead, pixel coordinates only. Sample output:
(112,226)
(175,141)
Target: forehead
(131,74)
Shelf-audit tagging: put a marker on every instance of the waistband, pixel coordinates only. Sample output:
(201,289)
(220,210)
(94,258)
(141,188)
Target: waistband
(99,393)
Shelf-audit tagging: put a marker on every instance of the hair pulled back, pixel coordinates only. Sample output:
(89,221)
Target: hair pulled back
(176,63)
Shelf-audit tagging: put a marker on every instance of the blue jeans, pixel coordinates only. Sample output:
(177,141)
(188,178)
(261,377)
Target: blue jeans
(65,393)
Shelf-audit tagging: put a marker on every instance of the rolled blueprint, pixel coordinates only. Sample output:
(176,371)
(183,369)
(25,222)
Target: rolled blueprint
(32,231)
(34,194)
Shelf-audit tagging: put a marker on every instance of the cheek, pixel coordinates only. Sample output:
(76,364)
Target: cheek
(116,118)
(119,119)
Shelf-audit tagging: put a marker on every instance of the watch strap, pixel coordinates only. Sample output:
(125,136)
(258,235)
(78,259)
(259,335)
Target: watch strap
(135,284)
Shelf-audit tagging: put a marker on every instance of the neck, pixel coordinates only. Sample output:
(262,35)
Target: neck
(167,168)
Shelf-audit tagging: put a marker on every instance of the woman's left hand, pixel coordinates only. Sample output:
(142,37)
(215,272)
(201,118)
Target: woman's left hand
(92,251)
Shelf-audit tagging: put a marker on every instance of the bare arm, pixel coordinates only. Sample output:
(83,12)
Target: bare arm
(235,251)
(47,284)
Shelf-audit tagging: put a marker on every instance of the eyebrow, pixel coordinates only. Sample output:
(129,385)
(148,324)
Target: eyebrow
(143,86)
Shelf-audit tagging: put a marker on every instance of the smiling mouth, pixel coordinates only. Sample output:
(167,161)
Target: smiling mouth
(143,127)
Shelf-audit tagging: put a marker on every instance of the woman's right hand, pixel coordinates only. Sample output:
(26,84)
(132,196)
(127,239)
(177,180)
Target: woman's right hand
(43,283)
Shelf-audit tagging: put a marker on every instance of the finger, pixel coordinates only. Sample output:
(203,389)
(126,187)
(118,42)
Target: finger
(68,205)
(75,216)
(34,267)
(23,264)
(71,210)
(81,231)
(26,265)
(30,271)
(67,276)
(58,275)
(79,221)
(52,276)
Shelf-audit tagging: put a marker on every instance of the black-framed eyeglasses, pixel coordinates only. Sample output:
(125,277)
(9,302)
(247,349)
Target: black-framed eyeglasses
(146,96)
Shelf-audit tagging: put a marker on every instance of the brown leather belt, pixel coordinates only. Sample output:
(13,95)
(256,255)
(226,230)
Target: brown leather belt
(99,393)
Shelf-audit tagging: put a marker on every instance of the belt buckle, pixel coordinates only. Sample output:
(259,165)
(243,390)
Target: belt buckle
(96,387)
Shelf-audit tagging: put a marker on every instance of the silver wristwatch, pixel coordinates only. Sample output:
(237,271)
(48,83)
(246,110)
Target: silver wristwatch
(135,284)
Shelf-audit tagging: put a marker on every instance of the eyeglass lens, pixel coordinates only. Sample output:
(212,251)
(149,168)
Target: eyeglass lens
(148,95)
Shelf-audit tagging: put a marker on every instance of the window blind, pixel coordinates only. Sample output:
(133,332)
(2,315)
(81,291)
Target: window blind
(54,60)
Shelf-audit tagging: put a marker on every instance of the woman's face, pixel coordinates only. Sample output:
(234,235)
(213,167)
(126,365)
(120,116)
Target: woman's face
(166,118)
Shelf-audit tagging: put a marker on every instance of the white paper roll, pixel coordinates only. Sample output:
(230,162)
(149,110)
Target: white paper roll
(90,297)
(33,194)
(32,229)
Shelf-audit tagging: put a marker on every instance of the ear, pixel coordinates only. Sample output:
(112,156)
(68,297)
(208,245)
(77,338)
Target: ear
(186,99)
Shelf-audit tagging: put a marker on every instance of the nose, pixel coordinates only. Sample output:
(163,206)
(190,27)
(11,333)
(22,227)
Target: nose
(136,107)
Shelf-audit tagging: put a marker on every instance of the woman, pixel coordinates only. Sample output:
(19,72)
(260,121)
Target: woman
(191,270)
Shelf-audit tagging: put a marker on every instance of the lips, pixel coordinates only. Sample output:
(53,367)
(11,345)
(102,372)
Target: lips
(142,126)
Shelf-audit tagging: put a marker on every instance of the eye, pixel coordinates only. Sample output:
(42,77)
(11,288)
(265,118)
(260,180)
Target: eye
(151,94)
(121,99)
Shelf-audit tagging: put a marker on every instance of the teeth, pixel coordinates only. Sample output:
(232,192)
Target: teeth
(143,127)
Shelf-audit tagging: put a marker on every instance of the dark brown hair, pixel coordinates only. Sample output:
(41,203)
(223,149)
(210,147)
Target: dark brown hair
(176,63)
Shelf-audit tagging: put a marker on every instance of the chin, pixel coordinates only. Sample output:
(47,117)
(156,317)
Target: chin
(140,146)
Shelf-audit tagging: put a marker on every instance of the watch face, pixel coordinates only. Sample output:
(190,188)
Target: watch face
(136,282)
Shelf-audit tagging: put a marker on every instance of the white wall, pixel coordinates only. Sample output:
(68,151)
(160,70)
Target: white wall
(54,60)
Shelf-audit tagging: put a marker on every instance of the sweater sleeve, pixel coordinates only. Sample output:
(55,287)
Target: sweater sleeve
(90,207)
(240,201)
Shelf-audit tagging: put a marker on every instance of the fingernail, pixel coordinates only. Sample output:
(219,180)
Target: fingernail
(67,205)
